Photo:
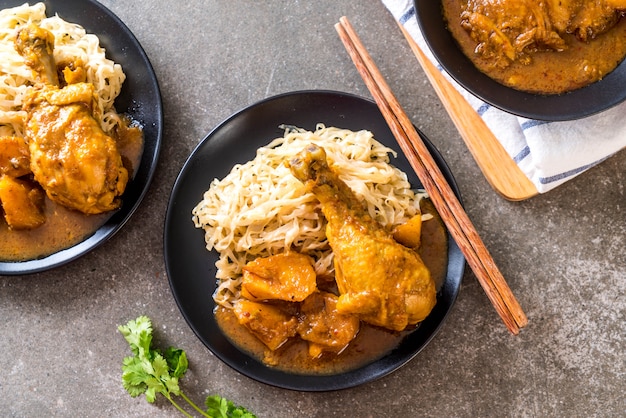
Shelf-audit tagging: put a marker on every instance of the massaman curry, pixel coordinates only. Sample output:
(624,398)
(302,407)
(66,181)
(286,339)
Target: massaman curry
(62,180)
(545,47)
(385,284)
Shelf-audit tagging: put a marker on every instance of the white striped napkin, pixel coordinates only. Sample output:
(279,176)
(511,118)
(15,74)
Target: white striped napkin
(549,153)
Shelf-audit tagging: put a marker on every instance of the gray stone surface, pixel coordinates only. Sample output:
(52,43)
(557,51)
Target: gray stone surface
(562,252)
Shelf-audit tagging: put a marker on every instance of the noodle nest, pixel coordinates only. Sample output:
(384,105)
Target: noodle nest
(260,209)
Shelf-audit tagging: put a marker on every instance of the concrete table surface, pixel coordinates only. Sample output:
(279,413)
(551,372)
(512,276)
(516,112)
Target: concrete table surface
(562,252)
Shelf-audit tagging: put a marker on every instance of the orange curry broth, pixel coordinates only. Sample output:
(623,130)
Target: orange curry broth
(549,72)
(64,227)
(371,342)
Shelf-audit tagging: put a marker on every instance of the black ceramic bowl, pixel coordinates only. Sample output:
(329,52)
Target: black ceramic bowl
(576,104)
(191,268)
(140,98)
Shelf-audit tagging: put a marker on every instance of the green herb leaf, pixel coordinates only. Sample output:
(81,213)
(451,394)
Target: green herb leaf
(134,377)
(150,372)
(218,407)
(138,334)
(177,361)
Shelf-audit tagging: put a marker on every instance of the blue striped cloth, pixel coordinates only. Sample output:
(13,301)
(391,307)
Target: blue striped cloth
(549,153)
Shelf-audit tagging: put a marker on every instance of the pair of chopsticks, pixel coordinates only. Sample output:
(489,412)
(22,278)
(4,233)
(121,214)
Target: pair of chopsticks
(435,184)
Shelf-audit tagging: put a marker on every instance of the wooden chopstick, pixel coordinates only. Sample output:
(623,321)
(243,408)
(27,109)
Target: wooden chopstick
(502,173)
(442,196)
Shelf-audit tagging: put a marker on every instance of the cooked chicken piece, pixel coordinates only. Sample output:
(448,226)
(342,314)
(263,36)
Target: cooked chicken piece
(73,72)
(14,156)
(585,18)
(594,18)
(619,5)
(560,13)
(268,323)
(508,30)
(36,46)
(76,163)
(379,280)
(288,276)
(22,203)
(323,327)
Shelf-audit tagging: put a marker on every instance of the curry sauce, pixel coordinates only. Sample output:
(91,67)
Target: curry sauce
(64,227)
(547,72)
(370,344)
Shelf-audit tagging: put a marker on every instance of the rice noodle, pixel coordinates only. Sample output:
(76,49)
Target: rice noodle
(71,43)
(260,209)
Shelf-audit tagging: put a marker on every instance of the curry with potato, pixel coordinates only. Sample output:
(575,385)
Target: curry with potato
(66,155)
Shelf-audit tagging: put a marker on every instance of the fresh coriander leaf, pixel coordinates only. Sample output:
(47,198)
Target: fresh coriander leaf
(150,372)
(134,377)
(177,361)
(160,368)
(218,407)
(147,371)
(138,334)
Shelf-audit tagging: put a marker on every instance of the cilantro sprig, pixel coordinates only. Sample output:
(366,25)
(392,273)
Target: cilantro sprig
(150,371)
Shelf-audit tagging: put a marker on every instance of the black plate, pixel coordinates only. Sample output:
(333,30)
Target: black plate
(140,98)
(191,268)
(576,104)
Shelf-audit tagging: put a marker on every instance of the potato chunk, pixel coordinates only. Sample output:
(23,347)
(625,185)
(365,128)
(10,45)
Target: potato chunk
(22,203)
(288,276)
(409,233)
(268,323)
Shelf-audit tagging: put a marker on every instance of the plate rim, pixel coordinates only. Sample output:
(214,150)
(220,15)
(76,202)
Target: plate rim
(274,377)
(567,106)
(149,160)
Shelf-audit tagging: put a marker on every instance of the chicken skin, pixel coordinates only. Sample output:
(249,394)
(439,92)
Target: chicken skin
(510,30)
(593,18)
(325,329)
(381,281)
(75,162)
(71,157)
(36,46)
